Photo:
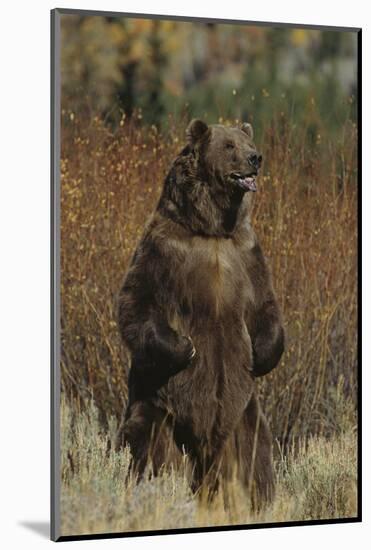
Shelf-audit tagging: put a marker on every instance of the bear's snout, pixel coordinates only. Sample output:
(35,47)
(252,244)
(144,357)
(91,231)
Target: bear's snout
(255,160)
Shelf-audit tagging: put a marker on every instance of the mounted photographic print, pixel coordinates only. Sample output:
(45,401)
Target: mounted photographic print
(205,232)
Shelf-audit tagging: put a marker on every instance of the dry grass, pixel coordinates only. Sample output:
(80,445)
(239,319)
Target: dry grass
(306,219)
(315,481)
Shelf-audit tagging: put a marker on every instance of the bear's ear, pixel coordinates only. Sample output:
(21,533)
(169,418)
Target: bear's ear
(247,128)
(196,130)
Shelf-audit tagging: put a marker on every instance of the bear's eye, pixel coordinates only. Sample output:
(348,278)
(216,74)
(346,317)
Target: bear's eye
(229,145)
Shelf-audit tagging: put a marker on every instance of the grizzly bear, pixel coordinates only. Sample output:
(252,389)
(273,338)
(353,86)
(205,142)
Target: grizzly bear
(199,315)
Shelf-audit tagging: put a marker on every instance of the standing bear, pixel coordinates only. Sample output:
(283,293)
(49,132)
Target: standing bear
(199,315)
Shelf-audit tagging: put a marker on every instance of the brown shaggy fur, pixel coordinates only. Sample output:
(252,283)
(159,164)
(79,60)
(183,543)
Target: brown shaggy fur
(199,315)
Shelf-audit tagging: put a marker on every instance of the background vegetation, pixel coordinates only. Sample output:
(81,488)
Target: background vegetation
(158,68)
(129,89)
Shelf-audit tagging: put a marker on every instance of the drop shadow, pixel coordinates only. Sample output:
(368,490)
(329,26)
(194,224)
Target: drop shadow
(42,528)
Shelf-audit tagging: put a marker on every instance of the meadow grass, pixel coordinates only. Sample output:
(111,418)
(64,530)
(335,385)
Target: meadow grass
(305,216)
(316,480)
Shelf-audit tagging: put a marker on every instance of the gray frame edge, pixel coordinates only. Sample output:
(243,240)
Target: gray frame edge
(194,19)
(55,107)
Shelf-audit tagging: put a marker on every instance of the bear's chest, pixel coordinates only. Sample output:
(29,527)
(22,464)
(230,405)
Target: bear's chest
(215,278)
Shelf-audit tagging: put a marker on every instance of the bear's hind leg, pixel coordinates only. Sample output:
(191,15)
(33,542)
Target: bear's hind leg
(147,431)
(253,443)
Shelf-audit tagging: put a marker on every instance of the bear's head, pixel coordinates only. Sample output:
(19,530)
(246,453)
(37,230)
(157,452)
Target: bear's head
(209,186)
(227,156)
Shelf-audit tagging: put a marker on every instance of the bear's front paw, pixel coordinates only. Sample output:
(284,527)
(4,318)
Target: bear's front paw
(186,352)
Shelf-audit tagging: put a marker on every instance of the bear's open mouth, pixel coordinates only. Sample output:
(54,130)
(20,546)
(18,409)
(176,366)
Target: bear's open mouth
(246,182)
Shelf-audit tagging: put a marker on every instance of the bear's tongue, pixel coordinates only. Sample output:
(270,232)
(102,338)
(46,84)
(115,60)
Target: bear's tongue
(248,183)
